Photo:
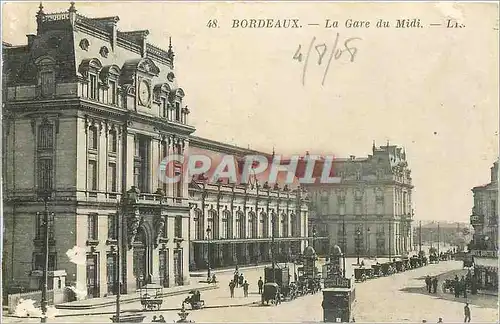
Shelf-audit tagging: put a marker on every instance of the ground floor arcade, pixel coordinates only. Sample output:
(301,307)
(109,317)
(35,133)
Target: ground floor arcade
(224,253)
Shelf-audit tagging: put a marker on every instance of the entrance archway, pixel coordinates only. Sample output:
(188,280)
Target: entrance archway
(142,257)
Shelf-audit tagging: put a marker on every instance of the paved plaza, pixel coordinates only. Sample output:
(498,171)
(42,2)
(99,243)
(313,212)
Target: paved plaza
(398,298)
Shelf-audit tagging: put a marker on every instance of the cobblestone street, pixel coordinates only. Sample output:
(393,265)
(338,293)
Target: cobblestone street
(390,299)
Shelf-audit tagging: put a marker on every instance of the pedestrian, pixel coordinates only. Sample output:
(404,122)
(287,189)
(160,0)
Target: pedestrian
(428,283)
(463,286)
(241,279)
(440,320)
(236,276)
(466,313)
(245,288)
(434,285)
(260,283)
(231,288)
(456,286)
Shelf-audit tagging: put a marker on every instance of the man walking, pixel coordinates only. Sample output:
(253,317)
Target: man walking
(466,313)
(463,286)
(245,288)
(434,285)
(236,276)
(428,283)
(260,283)
(231,288)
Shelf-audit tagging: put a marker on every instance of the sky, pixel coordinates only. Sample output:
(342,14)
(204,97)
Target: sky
(433,90)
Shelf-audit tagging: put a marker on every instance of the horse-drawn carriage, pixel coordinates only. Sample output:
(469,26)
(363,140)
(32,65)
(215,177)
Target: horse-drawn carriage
(271,293)
(376,270)
(281,277)
(151,296)
(362,273)
(387,268)
(194,300)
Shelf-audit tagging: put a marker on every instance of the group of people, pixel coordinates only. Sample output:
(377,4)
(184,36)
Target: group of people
(238,281)
(460,285)
(431,284)
(161,319)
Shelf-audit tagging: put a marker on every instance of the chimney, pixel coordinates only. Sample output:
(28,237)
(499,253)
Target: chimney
(31,39)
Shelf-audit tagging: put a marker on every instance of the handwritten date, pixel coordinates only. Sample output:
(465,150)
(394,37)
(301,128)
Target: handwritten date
(335,51)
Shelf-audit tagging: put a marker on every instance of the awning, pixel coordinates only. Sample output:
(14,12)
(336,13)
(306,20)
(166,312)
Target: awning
(486,262)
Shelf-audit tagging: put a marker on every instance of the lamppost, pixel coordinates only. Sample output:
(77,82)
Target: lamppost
(358,235)
(314,237)
(208,253)
(44,302)
(368,242)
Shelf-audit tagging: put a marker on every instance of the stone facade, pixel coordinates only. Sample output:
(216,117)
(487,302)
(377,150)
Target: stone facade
(240,218)
(369,211)
(89,113)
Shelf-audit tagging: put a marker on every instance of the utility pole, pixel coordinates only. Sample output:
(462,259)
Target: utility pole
(420,236)
(118,263)
(438,242)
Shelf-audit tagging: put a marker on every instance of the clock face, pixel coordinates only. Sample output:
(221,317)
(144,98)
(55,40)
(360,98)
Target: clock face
(144,93)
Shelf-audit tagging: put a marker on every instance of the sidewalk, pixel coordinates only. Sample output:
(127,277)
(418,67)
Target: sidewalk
(92,303)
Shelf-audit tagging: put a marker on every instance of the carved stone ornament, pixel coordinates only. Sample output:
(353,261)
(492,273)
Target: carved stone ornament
(160,226)
(104,51)
(133,223)
(84,44)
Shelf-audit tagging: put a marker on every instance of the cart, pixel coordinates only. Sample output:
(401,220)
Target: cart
(376,270)
(271,293)
(151,296)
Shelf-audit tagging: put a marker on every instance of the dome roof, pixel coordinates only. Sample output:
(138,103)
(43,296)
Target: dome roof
(336,250)
(309,252)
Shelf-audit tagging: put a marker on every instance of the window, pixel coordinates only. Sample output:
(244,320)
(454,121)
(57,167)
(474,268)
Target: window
(200,225)
(93,87)
(93,138)
(92,175)
(163,267)
(47,81)
(93,228)
(265,224)
(177,112)
(39,261)
(112,92)
(164,107)
(112,226)
(111,265)
(45,136)
(112,177)
(40,226)
(178,226)
(112,144)
(241,226)
(45,173)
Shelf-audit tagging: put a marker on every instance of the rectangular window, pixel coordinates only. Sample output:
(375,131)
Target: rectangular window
(40,226)
(112,92)
(111,272)
(93,87)
(112,226)
(112,144)
(93,228)
(48,84)
(178,226)
(177,112)
(39,261)
(112,177)
(93,138)
(45,136)
(164,107)
(45,173)
(92,175)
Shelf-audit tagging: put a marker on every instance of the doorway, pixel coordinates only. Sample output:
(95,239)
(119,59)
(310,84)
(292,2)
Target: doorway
(92,276)
(142,258)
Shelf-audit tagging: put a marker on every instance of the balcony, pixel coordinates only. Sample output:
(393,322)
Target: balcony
(477,220)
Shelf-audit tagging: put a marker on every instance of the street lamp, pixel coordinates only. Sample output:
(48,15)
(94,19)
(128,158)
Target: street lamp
(44,302)
(358,234)
(208,252)
(314,237)
(368,243)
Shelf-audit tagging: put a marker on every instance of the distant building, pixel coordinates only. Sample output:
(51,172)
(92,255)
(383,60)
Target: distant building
(370,210)
(484,219)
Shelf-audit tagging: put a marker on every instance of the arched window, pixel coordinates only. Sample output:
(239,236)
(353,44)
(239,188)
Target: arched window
(252,221)
(225,225)
(241,222)
(265,224)
(213,222)
(228,229)
(199,225)
(284,225)
(46,76)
